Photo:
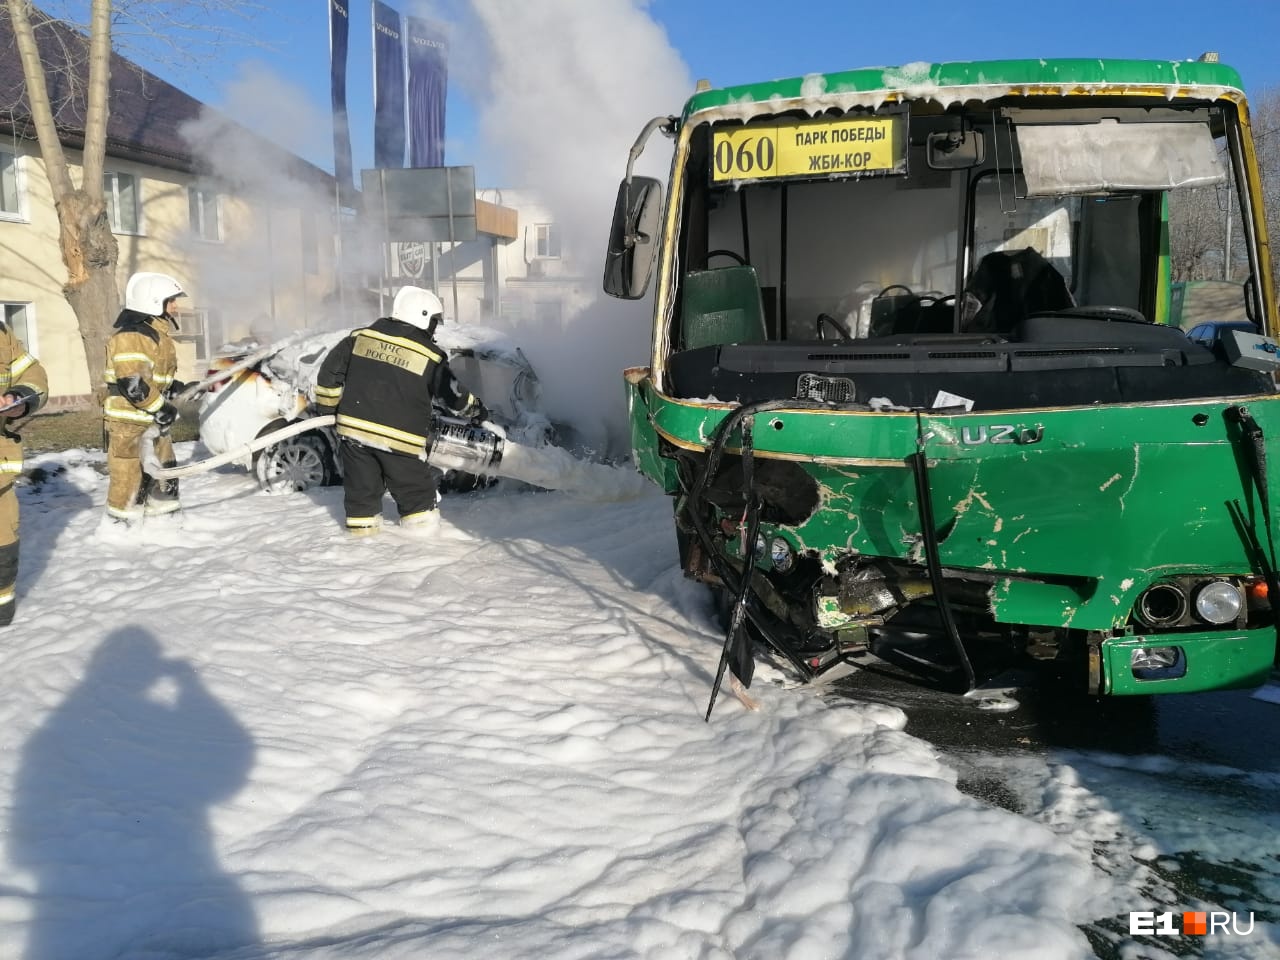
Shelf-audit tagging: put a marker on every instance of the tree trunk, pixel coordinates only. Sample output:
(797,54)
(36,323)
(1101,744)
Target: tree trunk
(89,251)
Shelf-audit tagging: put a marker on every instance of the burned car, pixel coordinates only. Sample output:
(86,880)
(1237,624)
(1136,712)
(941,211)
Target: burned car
(272,386)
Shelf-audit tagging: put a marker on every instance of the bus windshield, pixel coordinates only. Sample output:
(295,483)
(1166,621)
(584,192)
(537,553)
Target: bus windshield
(865,226)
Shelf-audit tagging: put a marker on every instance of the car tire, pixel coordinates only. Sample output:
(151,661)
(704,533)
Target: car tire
(456,481)
(295,464)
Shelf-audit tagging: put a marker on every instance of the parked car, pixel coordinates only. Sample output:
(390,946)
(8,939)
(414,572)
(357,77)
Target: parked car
(1209,333)
(276,389)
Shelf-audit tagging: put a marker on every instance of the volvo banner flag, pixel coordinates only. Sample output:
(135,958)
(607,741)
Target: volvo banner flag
(428,54)
(339,31)
(388,88)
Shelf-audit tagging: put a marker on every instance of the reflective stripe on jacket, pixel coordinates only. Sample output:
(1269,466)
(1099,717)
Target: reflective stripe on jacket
(140,347)
(22,375)
(381,381)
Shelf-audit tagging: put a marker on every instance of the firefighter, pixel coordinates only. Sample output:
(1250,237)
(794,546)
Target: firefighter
(141,362)
(381,381)
(25,388)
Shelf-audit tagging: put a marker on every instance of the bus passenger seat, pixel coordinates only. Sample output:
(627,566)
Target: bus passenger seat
(721,306)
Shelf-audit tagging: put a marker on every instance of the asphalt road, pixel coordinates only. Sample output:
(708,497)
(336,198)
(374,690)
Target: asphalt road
(1177,798)
(1228,727)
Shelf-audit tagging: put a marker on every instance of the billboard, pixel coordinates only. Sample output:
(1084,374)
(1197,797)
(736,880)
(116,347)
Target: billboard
(436,204)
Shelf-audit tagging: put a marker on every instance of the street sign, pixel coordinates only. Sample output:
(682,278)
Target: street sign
(428,204)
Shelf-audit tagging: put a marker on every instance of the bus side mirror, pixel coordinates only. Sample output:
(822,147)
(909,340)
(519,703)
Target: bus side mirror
(633,238)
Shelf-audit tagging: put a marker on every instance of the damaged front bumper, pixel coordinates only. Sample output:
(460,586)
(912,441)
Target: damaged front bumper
(1048,542)
(1184,662)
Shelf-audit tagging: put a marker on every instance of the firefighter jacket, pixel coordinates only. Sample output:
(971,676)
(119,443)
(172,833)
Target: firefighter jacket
(381,381)
(21,375)
(141,363)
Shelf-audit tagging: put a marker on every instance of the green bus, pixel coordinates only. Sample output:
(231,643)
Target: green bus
(912,373)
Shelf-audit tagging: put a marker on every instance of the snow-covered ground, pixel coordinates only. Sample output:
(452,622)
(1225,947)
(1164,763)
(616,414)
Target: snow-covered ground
(251,736)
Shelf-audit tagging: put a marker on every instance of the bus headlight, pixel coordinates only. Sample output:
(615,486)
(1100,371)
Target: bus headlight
(1219,602)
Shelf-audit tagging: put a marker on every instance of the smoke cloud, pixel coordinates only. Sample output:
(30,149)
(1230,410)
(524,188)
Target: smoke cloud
(281,217)
(561,90)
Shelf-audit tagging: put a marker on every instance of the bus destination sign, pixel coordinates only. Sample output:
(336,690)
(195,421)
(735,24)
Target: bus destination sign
(810,149)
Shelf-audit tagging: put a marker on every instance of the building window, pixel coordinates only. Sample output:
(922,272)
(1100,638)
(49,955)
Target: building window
(546,244)
(206,213)
(123,210)
(201,326)
(17,317)
(11,194)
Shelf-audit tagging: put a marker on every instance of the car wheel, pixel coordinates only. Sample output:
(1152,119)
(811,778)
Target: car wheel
(456,481)
(298,463)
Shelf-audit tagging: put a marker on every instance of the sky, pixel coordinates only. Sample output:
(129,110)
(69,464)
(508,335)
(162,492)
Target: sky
(249,737)
(727,43)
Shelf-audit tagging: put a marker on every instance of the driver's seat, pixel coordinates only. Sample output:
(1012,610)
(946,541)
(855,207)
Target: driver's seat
(894,312)
(721,306)
(1011,285)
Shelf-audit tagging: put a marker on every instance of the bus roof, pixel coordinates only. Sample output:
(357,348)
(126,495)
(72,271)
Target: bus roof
(990,77)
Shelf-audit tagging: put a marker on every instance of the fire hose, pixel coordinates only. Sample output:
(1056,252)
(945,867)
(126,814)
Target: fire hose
(151,463)
(455,445)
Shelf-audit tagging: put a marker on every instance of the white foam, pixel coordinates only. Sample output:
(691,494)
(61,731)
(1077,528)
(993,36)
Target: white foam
(554,468)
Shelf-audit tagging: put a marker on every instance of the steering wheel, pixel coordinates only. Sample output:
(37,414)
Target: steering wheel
(737,257)
(1116,314)
(845,335)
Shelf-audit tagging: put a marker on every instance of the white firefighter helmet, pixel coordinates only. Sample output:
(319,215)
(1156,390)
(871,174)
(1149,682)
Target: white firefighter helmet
(147,292)
(417,306)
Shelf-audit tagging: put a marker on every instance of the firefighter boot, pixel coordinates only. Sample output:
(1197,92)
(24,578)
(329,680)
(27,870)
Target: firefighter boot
(363,526)
(161,496)
(425,523)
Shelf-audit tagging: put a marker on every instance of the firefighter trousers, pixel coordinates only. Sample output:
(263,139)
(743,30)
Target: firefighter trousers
(130,492)
(8,551)
(368,473)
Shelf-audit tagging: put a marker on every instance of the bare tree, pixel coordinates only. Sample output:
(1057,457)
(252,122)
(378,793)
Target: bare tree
(88,246)
(1196,233)
(1266,133)
(81,59)
(1199,241)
